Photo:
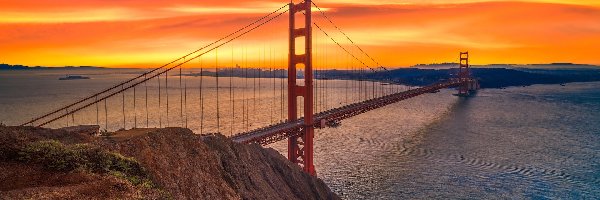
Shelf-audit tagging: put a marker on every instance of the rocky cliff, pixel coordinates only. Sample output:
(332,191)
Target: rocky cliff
(145,163)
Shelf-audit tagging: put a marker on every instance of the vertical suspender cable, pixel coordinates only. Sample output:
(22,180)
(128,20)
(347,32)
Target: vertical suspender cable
(167,93)
(281,93)
(319,81)
(185,103)
(271,106)
(360,96)
(316,76)
(258,88)
(231,93)
(260,66)
(146,93)
(260,75)
(274,81)
(244,89)
(346,82)
(281,77)
(254,93)
(246,101)
(123,106)
(245,119)
(181,95)
(323,76)
(373,82)
(217,80)
(134,110)
(159,103)
(97,111)
(360,83)
(355,84)
(201,99)
(105,116)
(364,84)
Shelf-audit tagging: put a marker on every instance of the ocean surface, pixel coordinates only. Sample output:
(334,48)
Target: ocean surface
(535,142)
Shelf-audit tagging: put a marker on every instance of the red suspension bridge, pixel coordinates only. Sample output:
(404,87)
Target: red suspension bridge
(249,98)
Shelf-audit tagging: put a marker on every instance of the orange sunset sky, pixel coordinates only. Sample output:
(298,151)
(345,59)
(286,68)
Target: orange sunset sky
(148,33)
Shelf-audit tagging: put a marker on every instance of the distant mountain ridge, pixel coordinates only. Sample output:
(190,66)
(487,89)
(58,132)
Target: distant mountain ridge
(489,76)
(510,66)
(445,65)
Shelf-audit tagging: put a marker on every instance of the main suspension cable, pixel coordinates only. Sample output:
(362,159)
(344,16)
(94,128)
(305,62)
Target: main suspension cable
(168,69)
(347,37)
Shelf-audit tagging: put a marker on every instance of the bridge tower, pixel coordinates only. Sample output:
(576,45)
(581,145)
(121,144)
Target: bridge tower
(300,147)
(464,74)
(469,85)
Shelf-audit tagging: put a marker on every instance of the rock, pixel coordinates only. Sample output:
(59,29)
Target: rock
(192,166)
(181,164)
(22,181)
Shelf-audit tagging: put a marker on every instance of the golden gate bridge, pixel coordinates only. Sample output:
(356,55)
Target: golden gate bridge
(306,96)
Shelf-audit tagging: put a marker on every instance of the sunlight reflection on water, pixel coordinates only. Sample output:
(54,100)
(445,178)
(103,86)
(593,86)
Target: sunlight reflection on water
(525,142)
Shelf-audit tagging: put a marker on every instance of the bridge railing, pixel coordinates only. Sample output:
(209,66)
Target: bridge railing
(281,131)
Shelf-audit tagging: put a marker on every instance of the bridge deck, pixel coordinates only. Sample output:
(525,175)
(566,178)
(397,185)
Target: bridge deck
(283,130)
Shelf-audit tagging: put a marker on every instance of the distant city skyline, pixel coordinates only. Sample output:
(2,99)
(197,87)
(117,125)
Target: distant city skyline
(137,33)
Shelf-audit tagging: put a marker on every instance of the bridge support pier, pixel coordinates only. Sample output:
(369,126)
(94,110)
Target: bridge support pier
(300,147)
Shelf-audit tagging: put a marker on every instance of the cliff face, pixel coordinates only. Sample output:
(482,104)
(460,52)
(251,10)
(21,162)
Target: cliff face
(30,181)
(35,165)
(181,164)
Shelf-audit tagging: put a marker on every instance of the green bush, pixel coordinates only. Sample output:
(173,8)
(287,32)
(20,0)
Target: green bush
(57,156)
(52,154)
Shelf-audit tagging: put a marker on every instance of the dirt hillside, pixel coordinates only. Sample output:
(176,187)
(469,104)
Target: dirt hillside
(145,163)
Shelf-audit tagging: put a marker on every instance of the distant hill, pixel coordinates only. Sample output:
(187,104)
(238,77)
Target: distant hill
(22,67)
(510,66)
(436,66)
(488,77)
(559,66)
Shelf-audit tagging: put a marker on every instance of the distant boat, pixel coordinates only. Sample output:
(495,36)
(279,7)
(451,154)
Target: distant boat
(73,77)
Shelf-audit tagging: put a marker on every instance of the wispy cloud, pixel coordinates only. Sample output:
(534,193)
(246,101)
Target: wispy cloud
(217,10)
(116,33)
(429,2)
(70,16)
(411,36)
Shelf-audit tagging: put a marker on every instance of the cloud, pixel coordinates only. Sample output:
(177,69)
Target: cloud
(116,33)
(445,2)
(412,36)
(65,11)
(70,16)
(222,10)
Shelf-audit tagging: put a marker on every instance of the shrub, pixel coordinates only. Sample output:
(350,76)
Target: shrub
(105,133)
(57,156)
(51,154)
